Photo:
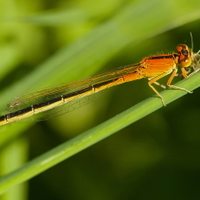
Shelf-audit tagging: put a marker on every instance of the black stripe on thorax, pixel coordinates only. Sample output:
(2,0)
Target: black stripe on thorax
(162,57)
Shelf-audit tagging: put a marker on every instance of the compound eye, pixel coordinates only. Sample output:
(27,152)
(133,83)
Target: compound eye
(182,48)
(185,59)
(184,52)
(179,48)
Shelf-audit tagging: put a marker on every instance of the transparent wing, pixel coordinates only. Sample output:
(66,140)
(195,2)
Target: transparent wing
(60,110)
(29,99)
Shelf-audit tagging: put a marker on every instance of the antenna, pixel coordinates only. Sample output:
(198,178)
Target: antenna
(192,42)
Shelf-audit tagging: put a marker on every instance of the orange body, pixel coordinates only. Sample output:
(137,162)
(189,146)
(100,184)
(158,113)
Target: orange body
(50,102)
(157,67)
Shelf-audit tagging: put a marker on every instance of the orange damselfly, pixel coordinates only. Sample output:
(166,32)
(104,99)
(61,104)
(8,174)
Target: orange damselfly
(50,102)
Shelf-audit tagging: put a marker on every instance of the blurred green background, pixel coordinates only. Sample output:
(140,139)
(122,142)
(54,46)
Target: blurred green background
(44,43)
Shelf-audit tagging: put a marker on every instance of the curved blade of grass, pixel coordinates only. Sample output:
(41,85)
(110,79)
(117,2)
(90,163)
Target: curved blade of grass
(94,135)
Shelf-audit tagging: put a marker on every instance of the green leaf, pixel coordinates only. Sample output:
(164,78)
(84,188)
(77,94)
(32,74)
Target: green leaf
(94,135)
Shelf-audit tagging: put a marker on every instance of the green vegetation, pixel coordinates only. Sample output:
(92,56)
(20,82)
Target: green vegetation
(44,44)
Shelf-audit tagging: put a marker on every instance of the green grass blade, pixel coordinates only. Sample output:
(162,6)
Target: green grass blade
(94,135)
